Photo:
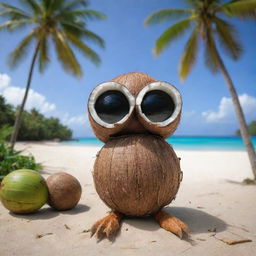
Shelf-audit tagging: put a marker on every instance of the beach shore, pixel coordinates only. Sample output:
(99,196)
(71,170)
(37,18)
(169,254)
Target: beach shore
(211,200)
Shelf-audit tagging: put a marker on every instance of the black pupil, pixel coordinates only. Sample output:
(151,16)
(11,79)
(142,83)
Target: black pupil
(157,106)
(111,106)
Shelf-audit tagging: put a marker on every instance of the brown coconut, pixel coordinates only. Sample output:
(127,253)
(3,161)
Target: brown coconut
(103,133)
(163,131)
(64,191)
(137,174)
(168,126)
(102,129)
(134,82)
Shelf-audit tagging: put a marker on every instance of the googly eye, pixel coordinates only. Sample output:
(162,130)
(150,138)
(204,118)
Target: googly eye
(110,106)
(159,106)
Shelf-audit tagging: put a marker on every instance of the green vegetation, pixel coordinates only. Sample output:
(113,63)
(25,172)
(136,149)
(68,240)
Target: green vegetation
(60,22)
(251,129)
(208,20)
(11,160)
(34,126)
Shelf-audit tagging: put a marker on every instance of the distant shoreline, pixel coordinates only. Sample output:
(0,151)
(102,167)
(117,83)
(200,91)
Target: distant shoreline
(201,143)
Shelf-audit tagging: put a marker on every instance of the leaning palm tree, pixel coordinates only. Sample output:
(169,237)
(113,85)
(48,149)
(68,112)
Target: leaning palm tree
(60,22)
(207,20)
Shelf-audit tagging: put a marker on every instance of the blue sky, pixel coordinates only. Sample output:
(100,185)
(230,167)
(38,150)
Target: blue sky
(207,108)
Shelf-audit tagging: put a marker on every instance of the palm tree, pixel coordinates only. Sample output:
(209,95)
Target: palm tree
(62,22)
(208,23)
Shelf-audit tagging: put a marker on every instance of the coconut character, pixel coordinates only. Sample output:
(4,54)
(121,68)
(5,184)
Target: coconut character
(136,173)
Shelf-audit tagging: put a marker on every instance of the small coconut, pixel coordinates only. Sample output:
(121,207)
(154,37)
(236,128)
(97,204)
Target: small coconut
(23,191)
(137,174)
(64,191)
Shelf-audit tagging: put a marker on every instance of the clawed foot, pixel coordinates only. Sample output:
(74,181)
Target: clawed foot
(107,227)
(172,224)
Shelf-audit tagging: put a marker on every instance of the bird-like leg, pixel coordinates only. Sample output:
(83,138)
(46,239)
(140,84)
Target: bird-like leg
(171,223)
(108,226)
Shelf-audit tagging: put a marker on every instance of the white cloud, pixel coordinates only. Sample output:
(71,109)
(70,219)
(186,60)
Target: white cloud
(74,120)
(4,81)
(14,96)
(226,112)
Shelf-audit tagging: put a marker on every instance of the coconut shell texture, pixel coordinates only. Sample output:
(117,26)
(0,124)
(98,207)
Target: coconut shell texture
(134,82)
(64,191)
(137,174)
(103,133)
(165,131)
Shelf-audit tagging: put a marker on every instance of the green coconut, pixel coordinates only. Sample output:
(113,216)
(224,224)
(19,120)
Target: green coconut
(23,191)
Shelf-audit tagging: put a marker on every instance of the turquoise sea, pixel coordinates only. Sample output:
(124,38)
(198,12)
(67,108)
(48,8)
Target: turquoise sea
(183,143)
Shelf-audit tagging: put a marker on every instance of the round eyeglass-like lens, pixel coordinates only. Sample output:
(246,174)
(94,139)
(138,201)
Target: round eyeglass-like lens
(111,106)
(157,106)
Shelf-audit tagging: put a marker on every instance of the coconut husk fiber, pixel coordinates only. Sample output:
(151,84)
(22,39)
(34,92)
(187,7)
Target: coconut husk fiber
(134,82)
(163,131)
(137,174)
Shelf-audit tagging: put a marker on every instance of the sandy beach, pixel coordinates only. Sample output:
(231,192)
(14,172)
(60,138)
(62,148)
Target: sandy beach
(211,200)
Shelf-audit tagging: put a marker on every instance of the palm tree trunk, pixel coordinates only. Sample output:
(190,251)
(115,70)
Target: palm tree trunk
(21,108)
(239,113)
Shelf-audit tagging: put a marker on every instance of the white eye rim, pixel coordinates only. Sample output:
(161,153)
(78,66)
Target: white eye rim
(171,91)
(99,90)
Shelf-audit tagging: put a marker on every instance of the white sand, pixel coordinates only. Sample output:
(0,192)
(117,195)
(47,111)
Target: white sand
(210,197)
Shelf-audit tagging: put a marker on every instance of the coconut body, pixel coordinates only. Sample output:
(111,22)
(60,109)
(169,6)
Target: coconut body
(64,191)
(23,191)
(137,174)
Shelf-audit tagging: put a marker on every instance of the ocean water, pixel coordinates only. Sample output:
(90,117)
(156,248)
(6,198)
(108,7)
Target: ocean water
(183,143)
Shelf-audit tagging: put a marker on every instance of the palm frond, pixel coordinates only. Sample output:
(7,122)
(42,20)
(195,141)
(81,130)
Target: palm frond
(73,28)
(171,34)
(12,12)
(209,2)
(65,54)
(228,37)
(63,21)
(211,59)
(189,55)
(21,50)
(166,14)
(44,59)
(50,6)
(86,14)
(15,24)
(193,3)
(32,5)
(239,8)
(86,50)
(46,4)
(71,5)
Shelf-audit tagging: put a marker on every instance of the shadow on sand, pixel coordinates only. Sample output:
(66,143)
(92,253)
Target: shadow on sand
(197,220)
(48,213)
